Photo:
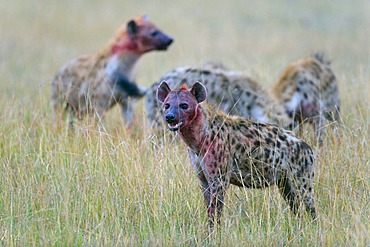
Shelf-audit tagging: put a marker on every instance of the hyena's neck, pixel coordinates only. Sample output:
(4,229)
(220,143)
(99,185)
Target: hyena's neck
(123,62)
(195,133)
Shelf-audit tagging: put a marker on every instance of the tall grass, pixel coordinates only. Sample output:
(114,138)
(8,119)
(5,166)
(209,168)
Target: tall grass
(104,185)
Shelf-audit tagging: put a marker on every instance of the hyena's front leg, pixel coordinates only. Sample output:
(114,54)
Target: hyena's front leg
(216,201)
(207,196)
(127,113)
(203,177)
(215,170)
(213,191)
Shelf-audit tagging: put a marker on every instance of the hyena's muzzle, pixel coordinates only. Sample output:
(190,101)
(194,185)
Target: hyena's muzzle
(162,40)
(173,119)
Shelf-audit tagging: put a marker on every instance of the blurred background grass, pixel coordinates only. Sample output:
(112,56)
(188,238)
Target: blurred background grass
(257,37)
(106,187)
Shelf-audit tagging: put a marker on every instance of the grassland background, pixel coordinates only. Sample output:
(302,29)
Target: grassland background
(108,186)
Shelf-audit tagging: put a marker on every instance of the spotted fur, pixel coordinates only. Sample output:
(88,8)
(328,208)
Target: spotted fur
(308,90)
(228,150)
(92,84)
(233,92)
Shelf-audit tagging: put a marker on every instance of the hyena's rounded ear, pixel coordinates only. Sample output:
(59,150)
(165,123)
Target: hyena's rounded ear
(162,91)
(199,91)
(132,28)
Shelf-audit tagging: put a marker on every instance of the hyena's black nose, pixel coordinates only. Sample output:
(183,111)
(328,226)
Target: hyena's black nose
(169,41)
(164,41)
(170,118)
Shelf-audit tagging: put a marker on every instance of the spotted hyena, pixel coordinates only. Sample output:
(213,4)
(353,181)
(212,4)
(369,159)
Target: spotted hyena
(228,150)
(308,90)
(94,83)
(233,92)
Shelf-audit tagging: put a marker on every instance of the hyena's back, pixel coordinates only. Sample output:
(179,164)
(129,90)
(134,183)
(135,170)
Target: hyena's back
(77,82)
(234,93)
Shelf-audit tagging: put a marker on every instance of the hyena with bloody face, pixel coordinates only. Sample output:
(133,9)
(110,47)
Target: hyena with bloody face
(94,83)
(228,150)
(233,92)
(308,90)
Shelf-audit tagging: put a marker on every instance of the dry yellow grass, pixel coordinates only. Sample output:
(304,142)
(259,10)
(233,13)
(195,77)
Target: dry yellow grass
(107,186)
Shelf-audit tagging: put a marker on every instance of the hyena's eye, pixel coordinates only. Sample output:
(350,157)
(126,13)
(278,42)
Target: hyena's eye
(184,106)
(154,33)
(166,106)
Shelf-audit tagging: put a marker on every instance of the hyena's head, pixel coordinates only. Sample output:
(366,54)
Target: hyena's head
(180,107)
(140,35)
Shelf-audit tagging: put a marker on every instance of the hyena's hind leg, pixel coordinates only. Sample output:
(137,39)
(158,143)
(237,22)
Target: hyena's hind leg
(63,113)
(333,115)
(297,195)
(335,119)
(318,123)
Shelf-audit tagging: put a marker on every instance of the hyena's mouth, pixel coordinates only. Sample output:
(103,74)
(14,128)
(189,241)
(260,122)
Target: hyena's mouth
(166,42)
(175,126)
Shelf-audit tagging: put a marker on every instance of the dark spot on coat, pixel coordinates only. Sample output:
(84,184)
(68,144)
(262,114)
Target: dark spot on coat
(238,146)
(269,141)
(244,127)
(277,160)
(306,162)
(311,159)
(249,136)
(282,137)
(267,153)
(233,141)
(305,146)
(282,155)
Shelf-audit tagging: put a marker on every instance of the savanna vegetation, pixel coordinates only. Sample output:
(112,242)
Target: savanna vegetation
(103,185)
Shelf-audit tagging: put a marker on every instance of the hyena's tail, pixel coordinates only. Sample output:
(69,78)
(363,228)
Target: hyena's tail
(321,58)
